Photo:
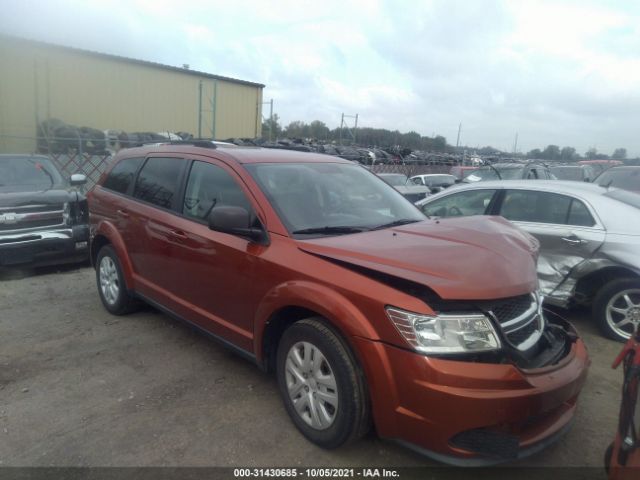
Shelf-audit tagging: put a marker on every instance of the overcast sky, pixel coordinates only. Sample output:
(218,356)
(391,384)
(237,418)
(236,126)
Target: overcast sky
(565,73)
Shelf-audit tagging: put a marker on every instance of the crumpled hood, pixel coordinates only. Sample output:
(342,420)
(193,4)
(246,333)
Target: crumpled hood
(56,196)
(468,258)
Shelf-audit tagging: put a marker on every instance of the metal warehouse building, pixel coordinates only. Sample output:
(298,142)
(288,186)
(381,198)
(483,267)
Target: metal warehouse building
(39,81)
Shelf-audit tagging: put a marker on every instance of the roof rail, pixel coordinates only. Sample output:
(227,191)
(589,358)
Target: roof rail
(195,143)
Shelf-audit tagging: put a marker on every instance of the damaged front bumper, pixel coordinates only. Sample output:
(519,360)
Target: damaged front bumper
(46,247)
(475,412)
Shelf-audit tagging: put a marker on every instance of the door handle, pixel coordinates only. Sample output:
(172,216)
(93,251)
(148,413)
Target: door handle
(573,240)
(123,213)
(178,234)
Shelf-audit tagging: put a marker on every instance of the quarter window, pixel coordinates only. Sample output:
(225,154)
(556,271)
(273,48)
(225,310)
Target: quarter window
(472,202)
(210,186)
(121,175)
(579,215)
(158,181)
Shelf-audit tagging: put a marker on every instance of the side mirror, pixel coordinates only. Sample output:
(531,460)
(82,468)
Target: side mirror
(78,179)
(235,221)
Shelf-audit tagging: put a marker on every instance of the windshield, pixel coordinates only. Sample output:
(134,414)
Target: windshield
(624,196)
(437,180)
(489,173)
(331,198)
(395,180)
(23,172)
(567,173)
(627,178)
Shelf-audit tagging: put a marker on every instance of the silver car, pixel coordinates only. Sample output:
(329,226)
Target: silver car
(589,240)
(409,190)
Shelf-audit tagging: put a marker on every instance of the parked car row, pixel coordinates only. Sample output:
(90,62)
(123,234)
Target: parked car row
(427,323)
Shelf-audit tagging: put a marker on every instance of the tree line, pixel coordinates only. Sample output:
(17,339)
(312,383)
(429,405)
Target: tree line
(381,137)
(374,137)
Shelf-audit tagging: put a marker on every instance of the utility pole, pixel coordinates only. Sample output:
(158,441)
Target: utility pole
(515,144)
(270,103)
(343,124)
(458,139)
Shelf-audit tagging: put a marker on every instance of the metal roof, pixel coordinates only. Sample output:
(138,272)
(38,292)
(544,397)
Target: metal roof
(134,61)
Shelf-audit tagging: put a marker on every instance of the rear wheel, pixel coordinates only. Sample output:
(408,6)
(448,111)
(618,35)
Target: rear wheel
(321,385)
(616,308)
(111,285)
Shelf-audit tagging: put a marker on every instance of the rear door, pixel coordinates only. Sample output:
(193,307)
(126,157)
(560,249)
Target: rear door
(567,228)
(151,213)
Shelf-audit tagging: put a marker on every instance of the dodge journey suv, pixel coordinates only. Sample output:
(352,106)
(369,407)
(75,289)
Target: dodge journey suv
(368,312)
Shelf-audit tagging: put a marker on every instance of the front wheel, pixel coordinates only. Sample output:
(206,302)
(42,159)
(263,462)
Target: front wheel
(321,385)
(111,285)
(616,308)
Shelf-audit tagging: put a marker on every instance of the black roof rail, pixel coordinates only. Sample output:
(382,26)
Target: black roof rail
(195,143)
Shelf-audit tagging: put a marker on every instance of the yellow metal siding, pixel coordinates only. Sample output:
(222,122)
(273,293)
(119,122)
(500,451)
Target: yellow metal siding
(103,93)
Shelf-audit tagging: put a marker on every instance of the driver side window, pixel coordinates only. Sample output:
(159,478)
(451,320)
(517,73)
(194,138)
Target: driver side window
(210,186)
(472,202)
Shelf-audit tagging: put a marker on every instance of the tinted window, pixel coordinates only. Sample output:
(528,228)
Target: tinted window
(158,181)
(472,202)
(540,207)
(579,215)
(210,186)
(121,175)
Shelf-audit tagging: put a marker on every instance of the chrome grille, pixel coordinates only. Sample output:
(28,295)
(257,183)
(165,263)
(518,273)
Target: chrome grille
(30,217)
(520,319)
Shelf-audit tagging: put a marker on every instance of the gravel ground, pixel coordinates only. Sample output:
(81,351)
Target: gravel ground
(79,387)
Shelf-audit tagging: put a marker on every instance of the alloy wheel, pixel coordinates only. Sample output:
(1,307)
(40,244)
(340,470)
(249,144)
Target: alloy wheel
(109,280)
(623,312)
(311,385)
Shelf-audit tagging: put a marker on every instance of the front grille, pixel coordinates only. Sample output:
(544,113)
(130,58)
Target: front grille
(511,308)
(519,318)
(30,217)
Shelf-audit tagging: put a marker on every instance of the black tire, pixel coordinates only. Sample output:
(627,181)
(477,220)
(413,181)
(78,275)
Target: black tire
(123,302)
(351,417)
(601,301)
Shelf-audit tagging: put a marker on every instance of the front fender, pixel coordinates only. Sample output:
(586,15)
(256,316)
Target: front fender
(110,232)
(325,301)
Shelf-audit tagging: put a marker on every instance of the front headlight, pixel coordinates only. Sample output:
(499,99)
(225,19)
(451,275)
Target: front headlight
(445,333)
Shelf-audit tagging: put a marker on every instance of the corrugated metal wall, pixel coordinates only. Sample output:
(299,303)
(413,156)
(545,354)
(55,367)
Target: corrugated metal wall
(38,81)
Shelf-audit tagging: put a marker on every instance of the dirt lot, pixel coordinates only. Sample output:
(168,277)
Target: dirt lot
(79,387)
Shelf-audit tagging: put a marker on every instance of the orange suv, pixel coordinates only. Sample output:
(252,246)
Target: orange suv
(368,311)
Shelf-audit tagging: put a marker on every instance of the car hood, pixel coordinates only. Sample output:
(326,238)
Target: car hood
(55,196)
(470,258)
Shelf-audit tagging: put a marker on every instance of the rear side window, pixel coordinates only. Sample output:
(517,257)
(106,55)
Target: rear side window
(158,181)
(121,175)
(540,207)
(579,215)
(210,186)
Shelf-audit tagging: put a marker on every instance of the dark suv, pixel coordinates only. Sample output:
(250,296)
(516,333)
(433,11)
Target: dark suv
(367,311)
(43,217)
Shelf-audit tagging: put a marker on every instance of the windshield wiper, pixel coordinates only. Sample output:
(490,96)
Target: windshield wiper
(341,229)
(396,223)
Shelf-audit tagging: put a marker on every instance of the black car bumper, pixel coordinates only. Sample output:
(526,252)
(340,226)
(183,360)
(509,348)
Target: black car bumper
(47,247)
